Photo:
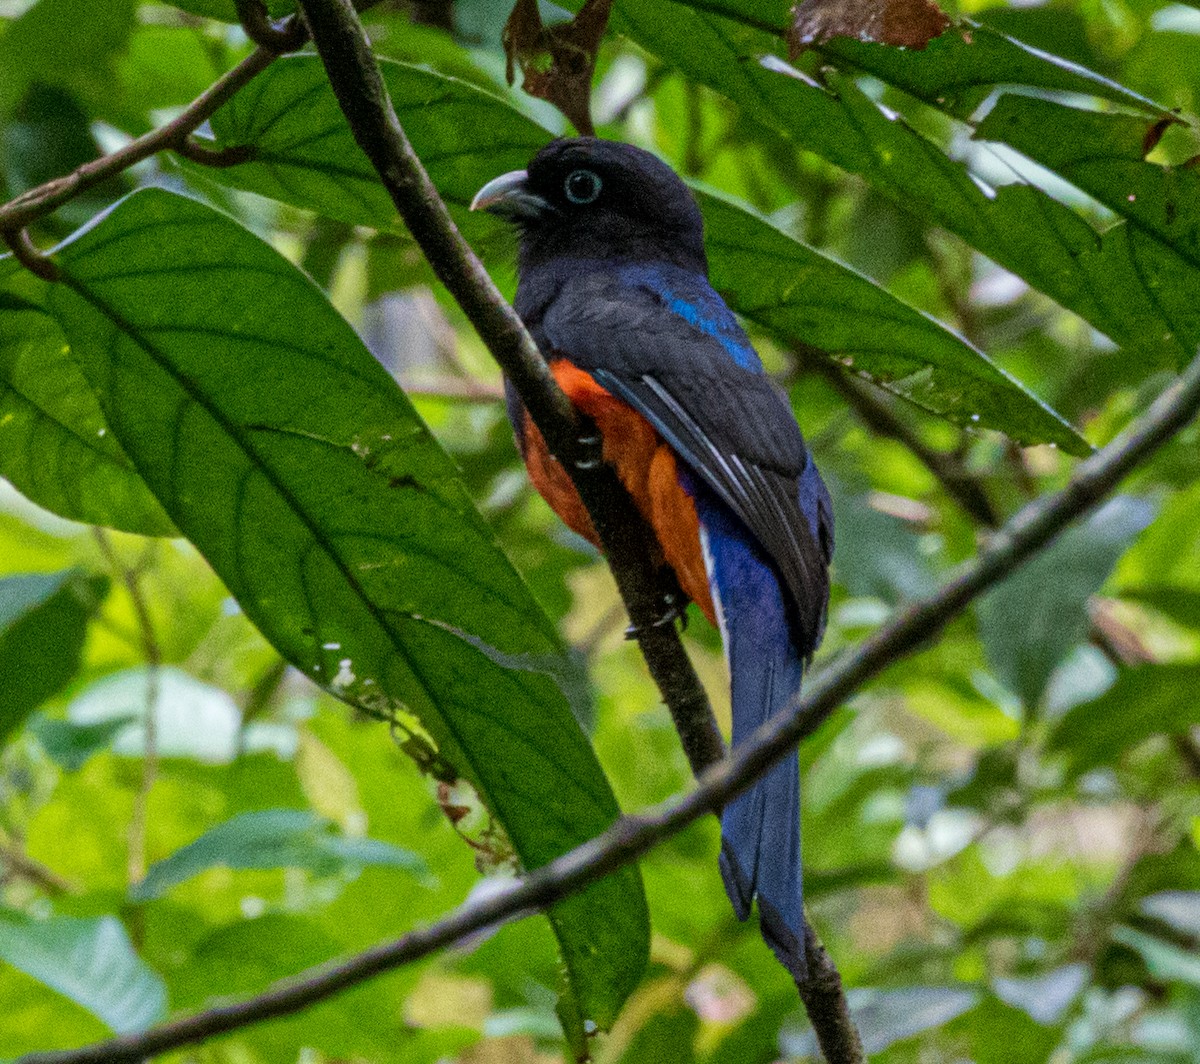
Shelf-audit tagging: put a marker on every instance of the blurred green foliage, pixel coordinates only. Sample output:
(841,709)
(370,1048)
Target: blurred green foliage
(1001,835)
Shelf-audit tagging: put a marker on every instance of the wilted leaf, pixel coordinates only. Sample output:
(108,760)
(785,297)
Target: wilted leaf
(43,621)
(274,838)
(900,23)
(92,962)
(557,62)
(289,457)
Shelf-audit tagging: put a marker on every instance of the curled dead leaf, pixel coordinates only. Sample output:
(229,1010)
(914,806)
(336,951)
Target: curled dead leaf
(557,62)
(901,23)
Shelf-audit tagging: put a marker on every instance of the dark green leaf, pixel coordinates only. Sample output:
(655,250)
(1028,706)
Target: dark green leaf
(226,11)
(294,463)
(92,962)
(55,446)
(304,154)
(1102,154)
(43,619)
(1036,617)
(779,283)
(273,838)
(64,43)
(70,745)
(1130,288)
(1152,700)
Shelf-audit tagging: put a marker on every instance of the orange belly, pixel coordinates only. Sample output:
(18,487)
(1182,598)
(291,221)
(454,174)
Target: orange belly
(646,466)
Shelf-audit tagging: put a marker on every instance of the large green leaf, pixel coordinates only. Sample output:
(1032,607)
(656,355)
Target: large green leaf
(54,444)
(775,281)
(304,154)
(92,962)
(1146,701)
(1035,618)
(287,454)
(1130,288)
(1103,154)
(273,838)
(43,620)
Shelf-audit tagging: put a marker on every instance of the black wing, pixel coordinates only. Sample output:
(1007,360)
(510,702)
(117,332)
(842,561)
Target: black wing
(730,424)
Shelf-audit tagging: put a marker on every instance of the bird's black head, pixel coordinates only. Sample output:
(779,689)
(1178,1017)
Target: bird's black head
(589,198)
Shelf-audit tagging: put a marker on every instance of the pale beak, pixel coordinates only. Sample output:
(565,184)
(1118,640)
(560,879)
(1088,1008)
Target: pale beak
(509,196)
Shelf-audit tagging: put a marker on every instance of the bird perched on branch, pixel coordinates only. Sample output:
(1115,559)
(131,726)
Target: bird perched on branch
(613,285)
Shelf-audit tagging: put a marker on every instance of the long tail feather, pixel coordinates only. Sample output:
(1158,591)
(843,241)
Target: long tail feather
(760,829)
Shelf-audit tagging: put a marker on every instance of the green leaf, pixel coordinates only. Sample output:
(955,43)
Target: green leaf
(1035,618)
(1103,155)
(1130,288)
(55,446)
(289,457)
(92,962)
(226,11)
(304,154)
(274,838)
(884,1017)
(70,745)
(1146,701)
(1165,960)
(67,44)
(43,620)
(775,281)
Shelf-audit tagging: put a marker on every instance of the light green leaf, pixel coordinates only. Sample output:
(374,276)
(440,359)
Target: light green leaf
(55,446)
(274,838)
(884,1017)
(92,962)
(1035,618)
(1146,701)
(304,154)
(43,621)
(1165,960)
(287,454)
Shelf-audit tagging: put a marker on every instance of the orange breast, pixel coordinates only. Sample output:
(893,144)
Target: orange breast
(647,467)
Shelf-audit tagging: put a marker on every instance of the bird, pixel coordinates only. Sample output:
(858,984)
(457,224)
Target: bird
(613,284)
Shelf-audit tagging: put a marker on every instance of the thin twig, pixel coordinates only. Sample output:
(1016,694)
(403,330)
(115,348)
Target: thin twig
(35,261)
(1024,535)
(358,85)
(17,863)
(956,481)
(40,201)
(131,578)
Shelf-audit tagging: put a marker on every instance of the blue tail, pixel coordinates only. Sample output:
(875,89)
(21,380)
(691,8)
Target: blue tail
(760,829)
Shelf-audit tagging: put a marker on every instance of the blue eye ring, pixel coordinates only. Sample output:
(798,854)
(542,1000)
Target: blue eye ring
(582,186)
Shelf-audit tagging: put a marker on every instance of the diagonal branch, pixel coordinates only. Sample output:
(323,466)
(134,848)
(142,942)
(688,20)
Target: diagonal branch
(1032,529)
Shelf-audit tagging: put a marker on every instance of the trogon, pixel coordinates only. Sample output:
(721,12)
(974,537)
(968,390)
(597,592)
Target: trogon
(613,285)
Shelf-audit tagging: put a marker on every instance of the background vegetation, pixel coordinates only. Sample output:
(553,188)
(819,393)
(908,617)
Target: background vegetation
(1000,834)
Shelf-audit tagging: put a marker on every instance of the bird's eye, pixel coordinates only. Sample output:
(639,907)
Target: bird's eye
(582,186)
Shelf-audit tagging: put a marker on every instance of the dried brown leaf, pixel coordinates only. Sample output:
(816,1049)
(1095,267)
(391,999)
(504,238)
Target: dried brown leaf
(901,23)
(557,62)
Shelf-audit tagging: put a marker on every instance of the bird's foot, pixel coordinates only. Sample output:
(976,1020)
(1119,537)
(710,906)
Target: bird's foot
(674,608)
(591,451)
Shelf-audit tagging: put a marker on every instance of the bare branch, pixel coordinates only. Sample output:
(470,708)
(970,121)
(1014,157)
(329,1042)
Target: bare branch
(1028,532)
